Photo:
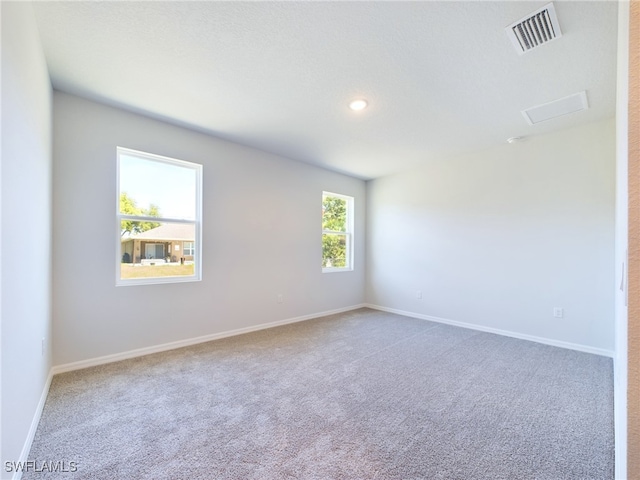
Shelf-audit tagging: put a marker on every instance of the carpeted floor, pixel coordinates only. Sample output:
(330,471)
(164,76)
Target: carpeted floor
(361,395)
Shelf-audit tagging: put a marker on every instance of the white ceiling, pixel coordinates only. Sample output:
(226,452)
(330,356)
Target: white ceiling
(441,78)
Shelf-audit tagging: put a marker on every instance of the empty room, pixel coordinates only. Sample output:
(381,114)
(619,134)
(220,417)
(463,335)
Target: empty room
(319,240)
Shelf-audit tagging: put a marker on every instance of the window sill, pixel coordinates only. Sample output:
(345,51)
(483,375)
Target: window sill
(337,269)
(156,281)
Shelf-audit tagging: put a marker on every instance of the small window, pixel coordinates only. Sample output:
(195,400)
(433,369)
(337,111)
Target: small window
(337,232)
(188,249)
(158,215)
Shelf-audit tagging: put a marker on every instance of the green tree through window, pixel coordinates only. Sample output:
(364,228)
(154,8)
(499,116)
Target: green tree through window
(129,206)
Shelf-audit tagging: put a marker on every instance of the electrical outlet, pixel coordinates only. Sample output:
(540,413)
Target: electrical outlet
(279,298)
(558,312)
(419,294)
(42,346)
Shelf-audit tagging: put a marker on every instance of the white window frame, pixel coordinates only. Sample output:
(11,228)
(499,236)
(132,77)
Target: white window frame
(349,233)
(197,222)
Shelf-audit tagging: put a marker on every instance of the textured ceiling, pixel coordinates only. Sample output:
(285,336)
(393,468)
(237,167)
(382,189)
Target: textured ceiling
(441,78)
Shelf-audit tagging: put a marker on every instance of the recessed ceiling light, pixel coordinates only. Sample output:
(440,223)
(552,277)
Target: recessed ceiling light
(359,104)
(515,139)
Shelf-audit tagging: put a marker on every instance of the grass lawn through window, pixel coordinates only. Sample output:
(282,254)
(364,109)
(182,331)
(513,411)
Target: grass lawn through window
(128,270)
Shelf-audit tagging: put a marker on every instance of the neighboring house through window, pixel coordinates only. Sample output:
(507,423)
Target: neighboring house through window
(337,232)
(159,219)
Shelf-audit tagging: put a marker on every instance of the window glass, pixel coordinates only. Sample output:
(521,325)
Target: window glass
(337,232)
(159,205)
(157,188)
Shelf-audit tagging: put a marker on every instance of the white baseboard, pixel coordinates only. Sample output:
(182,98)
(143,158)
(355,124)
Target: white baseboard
(92,362)
(24,455)
(506,333)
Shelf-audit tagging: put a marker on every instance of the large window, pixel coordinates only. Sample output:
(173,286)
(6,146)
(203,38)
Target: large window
(337,232)
(158,215)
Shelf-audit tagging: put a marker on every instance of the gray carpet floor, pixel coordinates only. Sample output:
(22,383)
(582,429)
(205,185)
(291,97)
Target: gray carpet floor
(360,395)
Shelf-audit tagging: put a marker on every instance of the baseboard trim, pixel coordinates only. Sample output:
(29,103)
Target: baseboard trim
(506,333)
(24,455)
(92,362)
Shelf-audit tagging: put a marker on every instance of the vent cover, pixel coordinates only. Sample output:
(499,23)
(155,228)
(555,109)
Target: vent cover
(563,106)
(535,29)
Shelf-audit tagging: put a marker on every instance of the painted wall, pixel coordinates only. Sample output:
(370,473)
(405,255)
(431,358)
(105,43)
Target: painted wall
(499,238)
(261,238)
(633,342)
(26,226)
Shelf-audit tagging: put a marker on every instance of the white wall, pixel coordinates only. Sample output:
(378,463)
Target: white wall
(26,227)
(498,238)
(261,237)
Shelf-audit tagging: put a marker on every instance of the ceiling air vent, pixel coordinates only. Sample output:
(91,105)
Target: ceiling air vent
(535,29)
(563,106)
